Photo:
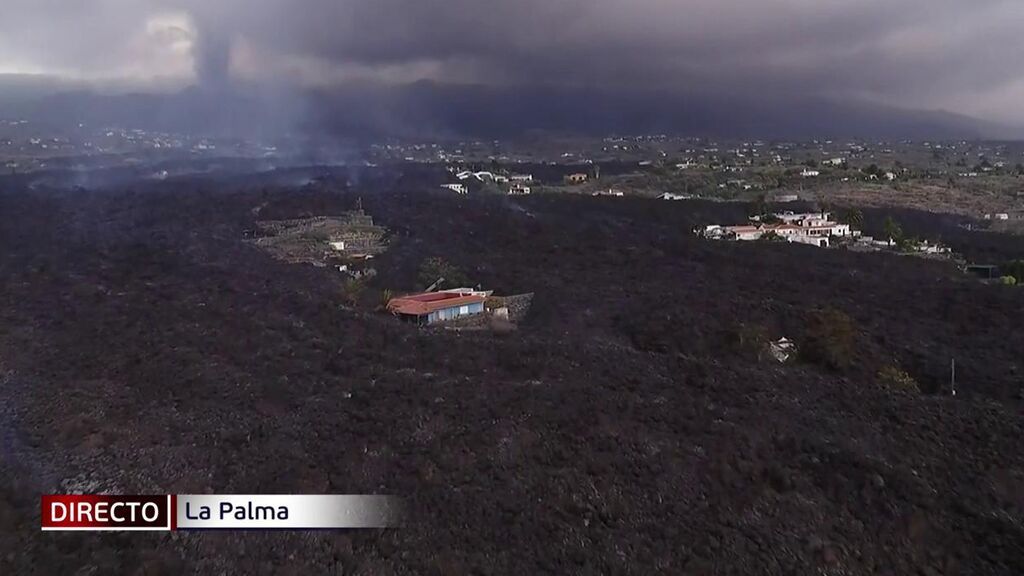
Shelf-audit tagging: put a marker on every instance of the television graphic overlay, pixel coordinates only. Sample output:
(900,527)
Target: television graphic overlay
(219,512)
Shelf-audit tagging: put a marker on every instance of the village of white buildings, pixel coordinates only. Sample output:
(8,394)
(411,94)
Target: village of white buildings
(815,229)
(514,185)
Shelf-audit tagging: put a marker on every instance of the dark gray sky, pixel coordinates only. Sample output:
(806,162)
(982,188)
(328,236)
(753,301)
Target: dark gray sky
(965,56)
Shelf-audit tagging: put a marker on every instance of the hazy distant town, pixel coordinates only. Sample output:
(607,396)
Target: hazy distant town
(980,179)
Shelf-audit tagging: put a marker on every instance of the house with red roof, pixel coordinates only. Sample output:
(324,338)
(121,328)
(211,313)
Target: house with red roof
(436,307)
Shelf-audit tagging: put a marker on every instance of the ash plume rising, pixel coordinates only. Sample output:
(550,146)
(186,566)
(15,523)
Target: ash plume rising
(212,53)
(933,55)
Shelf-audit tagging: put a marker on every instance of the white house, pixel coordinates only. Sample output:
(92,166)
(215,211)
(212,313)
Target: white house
(519,189)
(929,248)
(815,224)
(810,173)
(745,233)
(457,188)
(481,176)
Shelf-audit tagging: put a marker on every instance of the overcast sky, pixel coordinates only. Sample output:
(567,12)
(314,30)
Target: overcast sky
(965,56)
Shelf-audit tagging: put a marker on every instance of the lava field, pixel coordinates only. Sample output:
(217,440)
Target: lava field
(147,348)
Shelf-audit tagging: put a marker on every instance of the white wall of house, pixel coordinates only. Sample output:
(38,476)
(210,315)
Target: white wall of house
(821,242)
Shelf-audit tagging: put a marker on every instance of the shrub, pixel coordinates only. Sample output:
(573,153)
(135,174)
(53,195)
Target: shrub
(892,378)
(1014,269)
(830,339)
(908,245)
(354,289)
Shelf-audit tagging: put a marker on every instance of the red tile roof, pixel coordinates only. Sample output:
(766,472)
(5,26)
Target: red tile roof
(423,304)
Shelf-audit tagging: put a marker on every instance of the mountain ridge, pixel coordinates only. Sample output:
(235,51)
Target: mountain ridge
(428,110)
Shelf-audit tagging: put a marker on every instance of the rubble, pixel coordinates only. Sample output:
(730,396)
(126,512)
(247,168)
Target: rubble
(317,240)
(782,349)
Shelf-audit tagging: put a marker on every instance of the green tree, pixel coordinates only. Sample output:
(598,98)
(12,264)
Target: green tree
(892,229)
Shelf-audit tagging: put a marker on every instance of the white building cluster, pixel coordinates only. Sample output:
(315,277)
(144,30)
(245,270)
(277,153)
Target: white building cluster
(514,185)
(816,229)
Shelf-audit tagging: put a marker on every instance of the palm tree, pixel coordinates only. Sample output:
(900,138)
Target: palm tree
(385,298)
(893,230)
(854,217)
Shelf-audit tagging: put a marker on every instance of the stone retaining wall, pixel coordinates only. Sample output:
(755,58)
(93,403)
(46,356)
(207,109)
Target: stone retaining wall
(518,305)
